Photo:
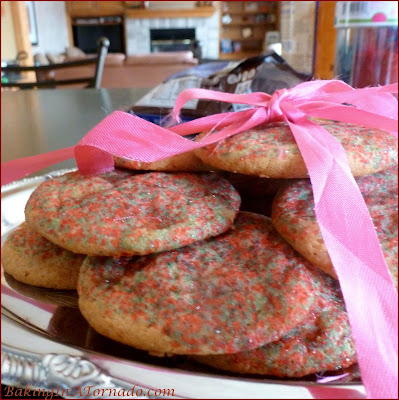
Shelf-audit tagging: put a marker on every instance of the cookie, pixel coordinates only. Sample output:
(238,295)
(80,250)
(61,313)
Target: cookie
(187,162)
(226,294)
(293,216)
(122,213)
(271,151)
(322,343)
(30,258)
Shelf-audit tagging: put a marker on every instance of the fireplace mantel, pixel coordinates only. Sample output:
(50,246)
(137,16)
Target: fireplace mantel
(205,21)
(195,12)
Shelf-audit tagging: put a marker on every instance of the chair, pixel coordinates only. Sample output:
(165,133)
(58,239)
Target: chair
(48,76)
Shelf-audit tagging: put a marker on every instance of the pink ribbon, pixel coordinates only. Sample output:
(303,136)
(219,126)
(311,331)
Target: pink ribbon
(347,229)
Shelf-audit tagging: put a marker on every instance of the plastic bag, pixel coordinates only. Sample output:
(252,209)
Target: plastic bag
(266,73)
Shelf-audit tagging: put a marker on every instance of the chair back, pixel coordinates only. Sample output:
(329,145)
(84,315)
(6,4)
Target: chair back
(87,71)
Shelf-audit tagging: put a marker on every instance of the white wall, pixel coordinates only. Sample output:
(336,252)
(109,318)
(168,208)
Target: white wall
(51,20)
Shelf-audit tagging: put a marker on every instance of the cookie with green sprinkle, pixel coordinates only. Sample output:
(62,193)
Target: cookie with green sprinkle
(271,151)
(226,294)
(321,343)
(122,213)
(30,258)
(294,218)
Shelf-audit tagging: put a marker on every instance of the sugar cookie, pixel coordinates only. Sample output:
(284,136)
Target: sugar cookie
(322,343)
(30,258)
(294,218)
(123,213)
(271,151)
(226,294)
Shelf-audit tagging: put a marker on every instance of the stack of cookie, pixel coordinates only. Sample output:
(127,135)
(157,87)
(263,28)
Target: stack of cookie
(165,259)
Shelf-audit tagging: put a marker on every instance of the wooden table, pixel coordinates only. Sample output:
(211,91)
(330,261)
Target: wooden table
(37,121)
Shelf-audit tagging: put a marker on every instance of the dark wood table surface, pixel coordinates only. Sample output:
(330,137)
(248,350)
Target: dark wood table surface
(37,121)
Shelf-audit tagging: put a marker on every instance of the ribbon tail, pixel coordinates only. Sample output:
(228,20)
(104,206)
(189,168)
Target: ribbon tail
(256,98)
(357,117)
(128,136)
(367,99)
(208,123)
(18,169)
(254,117)
(124,135)
(349,235)
(391,88)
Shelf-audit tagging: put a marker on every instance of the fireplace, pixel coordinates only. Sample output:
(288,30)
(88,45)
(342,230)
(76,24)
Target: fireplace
(175,39)
(86,32)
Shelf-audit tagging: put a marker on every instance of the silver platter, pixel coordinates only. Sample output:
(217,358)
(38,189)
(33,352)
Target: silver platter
(47,344)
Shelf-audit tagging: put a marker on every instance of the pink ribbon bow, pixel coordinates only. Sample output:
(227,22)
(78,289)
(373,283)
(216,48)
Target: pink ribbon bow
(347,229)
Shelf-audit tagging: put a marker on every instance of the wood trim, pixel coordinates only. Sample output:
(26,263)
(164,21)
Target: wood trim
(20,19)
(94,13)
(235,56)
(325,41)
(171,13)
(70,31)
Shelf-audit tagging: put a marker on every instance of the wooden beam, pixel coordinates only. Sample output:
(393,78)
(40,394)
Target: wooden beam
(205,11)
(20,19)
(70,31)
(325,41)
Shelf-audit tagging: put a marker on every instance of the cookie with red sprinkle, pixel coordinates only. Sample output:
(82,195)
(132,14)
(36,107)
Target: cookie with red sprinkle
(30,258)
(186,162)
(294,218)
(226,294)
(322,343)
(271,151)
(124,213)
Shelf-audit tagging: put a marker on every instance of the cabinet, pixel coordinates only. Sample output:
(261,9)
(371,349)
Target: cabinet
(243,27)
(94,8)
